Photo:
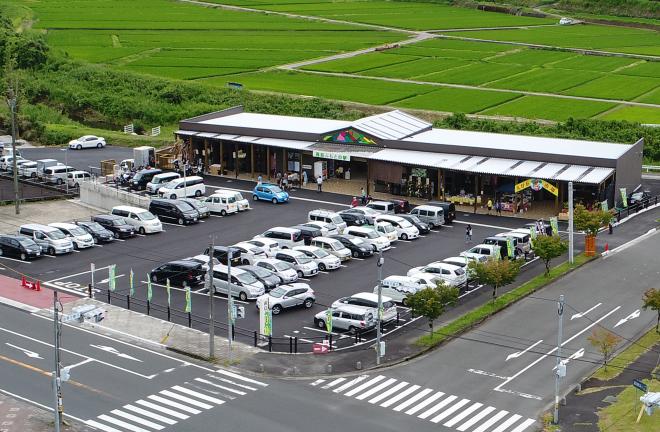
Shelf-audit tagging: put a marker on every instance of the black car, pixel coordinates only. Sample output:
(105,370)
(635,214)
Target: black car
(265,276)
(116,224)
(400,206)
(98,233)
(221,253)
(181,273)
(18,246)
(308,233)
(353,219)
(174,210)
(448,208)
(358,251)
(421,226)
(142,177)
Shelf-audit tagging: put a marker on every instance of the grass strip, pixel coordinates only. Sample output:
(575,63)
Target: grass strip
(479,314)
(618,364)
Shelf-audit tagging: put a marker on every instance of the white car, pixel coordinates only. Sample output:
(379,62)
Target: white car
(269,246)
(242,203)
(80,238)
(370,236)
(284,270)
(347,317)
(28,169)
(6,161)
(386,230)
(303,264)
(453,275)
(324,260)
(367,299)
(481,251)
(327,229)
(19,164)
(87,141)
(404,229)
(249,252)
(223,203)
(287,296)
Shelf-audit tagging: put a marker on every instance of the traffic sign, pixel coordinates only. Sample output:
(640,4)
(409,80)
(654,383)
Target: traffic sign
(640,385)
(320,348)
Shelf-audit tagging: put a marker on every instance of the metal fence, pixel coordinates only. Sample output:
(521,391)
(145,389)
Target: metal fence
(636,207)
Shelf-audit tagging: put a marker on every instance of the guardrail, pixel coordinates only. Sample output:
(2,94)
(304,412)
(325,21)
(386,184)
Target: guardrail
(649,168)
(636,207)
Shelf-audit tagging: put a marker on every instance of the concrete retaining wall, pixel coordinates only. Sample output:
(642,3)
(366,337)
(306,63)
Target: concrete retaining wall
(106,197)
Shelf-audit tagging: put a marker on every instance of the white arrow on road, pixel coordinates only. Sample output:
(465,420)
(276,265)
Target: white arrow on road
(576,355)
(111,350)
(581,314)
(628,318)
(519,353)
(106,280)
(28,353)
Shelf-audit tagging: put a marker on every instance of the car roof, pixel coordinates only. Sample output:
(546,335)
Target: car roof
(306,248)
(187,263)
(108,216)
(130,208)
(352,308)
(65,225)
(443,264)
(370,296)
(388,218)
(325,239)
(283,229)
(36,226)
(359,229)
(294,253)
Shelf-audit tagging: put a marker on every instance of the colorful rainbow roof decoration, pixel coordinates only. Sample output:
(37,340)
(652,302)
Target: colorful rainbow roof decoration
(349,136)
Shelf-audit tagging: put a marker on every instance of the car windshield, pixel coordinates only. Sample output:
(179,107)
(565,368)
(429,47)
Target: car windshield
(146,216)
(56,235)
(372,234)
(77,231)
(356,241)
(281,266)
(336,245)
(137,176)
(277,292)
(238,196)
(405,224)
(459,271)
(275,189)
(414,219)
(26,242)
(388,228)
(260,272)
(303,259)
(95,227)
(119,222)
(231,199)
(246,278)
(337,220)
(320,253)
(184,207)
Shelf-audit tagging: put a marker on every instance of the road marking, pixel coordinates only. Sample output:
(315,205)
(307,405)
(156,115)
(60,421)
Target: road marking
(106,280)
(171,224)
(334,383)
(80,363)
(101,426)
(303,279)
(511,378)
(177,405)
(388,392)
(413,399)
(120,240)
(632,316)
(75,251)
(137,419)
(121,423)
(576,355)
(524,425)
(376,389)
(450,411)
(488,374)
(17,260)
(466,412)
(491,421)
(519,353)
(504,426)
(232,382)
(581,314)
(359,259)
(27,352)
(238,392)
(204,397)
(437,407)
(150,414)
(400,396)
(97,245)
(162,409)
(364,386)
(186,399)
(237,376)
(350,383)
(321,331)
(112,350)
(468,424)
(427,402)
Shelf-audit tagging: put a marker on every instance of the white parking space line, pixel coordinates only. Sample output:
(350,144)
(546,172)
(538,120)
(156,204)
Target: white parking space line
(304,279)
(48,256)
(97,245)
(324,272)
(300,339)
(105,281)
(321,331)
(75,251)
(17,260)
(120,240)
(171,224)
(140,235)
(358,259)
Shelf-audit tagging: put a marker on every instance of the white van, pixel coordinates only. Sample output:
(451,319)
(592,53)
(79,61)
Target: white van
(241,202)
(51,240)
(183,188)
(74,178)
(332,246)
(223,202)
(159,180)
(383,207)
(81,239)
(285,237)
(42,164)
(404,229)
(327,216)
(369,236)
(398,287)
(431,215)
(143,220)
(57,174)
(386,230)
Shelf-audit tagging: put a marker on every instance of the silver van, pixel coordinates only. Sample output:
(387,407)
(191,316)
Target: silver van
(431,215)
(57,174)
(332,246)
(384,207)
(52,240)
(159,180)
(243,284)
(42,164)
(327,216)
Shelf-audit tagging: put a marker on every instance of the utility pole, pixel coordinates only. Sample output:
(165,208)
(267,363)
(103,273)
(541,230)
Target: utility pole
(230,303)
(11,101)
(211,303)
(560,370)
(57,391)
(380,263)
(570,222)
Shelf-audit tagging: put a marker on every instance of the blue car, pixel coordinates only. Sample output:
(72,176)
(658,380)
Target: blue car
(269,192)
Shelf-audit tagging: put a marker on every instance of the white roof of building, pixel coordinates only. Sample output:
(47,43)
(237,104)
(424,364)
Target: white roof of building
(434,160)
(393,125)
(596,175)
(277,122)
(514,143)
(572,173)
(494,166)
(524,169)
(548,171)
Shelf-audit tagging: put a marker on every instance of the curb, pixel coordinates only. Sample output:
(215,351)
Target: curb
(632,242)
(18,305)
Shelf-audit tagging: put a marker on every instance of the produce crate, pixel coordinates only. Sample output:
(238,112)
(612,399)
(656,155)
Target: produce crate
(107,167)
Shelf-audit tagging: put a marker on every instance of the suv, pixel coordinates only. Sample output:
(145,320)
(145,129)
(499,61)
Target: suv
(481,251)
(370,300)
(48,238)
(503,243)
(19,247)
(303,264)
(174,210)
(182,272)
(347,317)
(448,208)
(98,233)
(116,224)
(288,296)
(327,216)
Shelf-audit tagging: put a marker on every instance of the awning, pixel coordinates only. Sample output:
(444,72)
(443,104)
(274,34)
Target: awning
(341,152)
(284,143)
(494,166)
(417,158)
(573,173)
(523,170)
(185,132)
(547,171)
(207,135)
(596,175)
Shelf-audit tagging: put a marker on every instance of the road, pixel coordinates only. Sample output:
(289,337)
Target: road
(504,368)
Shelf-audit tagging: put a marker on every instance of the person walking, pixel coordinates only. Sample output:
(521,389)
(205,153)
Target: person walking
(498,208)
(489,205)
(363,196)
(259,180)
(468,233)
(319,184)
(304,178)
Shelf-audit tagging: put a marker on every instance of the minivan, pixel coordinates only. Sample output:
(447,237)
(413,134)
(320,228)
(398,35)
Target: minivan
(327,216)
(386,230)
(222,202)
(347,317)
(142,177)
(523,238)
(19,247)
(333,247)
(183,188)
(384,207)
(174,210)
(285,237)
(159,180)
(447,207)
(431,215)
(74,178)
(244,285)
(222,255)
(368,235)
(143,221)
(57,174)
(404,229)
(115,224)
(308,233)
(48,238)
(398,287)
(370,300)
(181,273)
(503,243)
(42,164)
(81,239)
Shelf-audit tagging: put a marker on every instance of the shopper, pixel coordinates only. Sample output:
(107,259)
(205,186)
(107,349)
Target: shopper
(468,233)
(354,202)
(498,208)
(305,178)
(363,196)
(319,184)
(259,180)
(489,205)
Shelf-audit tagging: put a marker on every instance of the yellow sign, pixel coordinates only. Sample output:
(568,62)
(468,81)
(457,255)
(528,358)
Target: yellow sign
(536,184)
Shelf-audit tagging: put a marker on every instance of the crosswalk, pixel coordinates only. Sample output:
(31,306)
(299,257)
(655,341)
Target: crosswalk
(426,404)
(177,403)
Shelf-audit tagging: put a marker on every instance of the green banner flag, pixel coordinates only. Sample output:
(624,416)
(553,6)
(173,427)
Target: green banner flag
(168,291)
(131,283)
(555,225)
(111,277)
(509,247)
(150,293)
(604,206)
(268,322)
(328,320)
(624,197)
(188,302)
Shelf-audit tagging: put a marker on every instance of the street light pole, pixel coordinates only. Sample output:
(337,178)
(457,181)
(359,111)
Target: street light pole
(380,263)
(56,370)
(230,304)
(211,303)
(570,222)
(558,371)
(11,100)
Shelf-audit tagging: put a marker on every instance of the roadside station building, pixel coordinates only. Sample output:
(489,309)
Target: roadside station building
(397,154)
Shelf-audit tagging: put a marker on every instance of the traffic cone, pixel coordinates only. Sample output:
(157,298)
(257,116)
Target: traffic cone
(23,282)
(37,286)
(607,247)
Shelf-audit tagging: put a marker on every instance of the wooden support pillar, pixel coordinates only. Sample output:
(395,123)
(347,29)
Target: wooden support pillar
(206,154)
(236,171)
(476,191)
(284,165)
(252,159)
(222,157)
(440,187)
(368,176)
(268,162)
(557,199)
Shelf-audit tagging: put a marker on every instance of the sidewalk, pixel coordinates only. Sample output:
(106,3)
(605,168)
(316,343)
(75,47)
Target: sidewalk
(19,416)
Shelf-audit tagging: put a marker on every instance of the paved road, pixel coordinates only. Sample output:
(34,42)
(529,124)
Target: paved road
(504,368)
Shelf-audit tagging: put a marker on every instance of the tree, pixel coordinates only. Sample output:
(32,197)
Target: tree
(590,221)
(496,273)
(652,301)
(431,302)
(549,247)
(605,341)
